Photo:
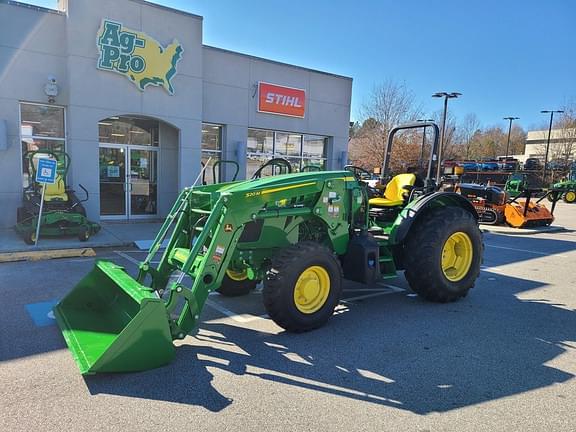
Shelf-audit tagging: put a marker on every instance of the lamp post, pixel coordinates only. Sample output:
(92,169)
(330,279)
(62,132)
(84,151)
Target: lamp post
(510,119)
(421,161)
(548,142)
(446,96)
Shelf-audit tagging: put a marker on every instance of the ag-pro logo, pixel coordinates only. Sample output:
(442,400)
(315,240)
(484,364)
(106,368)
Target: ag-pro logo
(137,56)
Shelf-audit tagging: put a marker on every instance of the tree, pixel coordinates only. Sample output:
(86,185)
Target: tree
(469,127)
(389,105)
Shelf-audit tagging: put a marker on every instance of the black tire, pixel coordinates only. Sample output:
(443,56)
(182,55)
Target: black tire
(424,249)
(30,237)
(83,234)
(280,285)
(569,197)
(236,288)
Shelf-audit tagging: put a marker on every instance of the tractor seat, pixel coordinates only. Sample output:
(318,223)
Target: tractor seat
(56,191)
(394,194)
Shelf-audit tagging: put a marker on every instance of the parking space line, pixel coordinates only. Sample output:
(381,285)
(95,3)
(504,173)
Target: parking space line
(128,257)
(527,251)
(236,317)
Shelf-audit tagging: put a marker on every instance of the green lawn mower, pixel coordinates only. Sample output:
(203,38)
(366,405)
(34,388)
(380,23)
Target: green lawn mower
(62,212)
(566,189)
(300,234)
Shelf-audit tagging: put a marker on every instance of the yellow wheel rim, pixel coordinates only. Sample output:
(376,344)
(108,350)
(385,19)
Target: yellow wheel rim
(237,276)
(457,256)
(570,196)
(312,289)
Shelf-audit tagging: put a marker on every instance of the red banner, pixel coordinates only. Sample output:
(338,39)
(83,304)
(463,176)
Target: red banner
(275,99)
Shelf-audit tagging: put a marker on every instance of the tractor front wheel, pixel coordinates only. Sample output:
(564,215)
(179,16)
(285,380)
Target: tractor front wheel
(443,254)
(303,287)
(570,197)
(236,284)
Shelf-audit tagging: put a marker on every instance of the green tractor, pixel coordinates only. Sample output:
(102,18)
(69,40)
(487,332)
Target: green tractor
(566,189)
(63,213)
(300,234)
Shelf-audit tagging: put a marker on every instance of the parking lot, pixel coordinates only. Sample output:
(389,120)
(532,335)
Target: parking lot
(503,358)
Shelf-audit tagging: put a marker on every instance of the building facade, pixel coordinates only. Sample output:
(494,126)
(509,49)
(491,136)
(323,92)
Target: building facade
(130,92)
(562,144)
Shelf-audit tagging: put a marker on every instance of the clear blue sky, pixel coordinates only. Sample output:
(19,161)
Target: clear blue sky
(506,57)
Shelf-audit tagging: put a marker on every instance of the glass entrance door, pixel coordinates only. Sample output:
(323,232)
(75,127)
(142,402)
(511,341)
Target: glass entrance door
(143,182)
(128,181)
(113,182)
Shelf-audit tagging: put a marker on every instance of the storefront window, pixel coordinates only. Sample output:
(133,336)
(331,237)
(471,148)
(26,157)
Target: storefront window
(129,130)
(211,151)
(42,127)
(299,150)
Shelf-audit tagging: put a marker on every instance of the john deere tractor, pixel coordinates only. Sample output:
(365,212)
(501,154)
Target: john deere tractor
(301,234)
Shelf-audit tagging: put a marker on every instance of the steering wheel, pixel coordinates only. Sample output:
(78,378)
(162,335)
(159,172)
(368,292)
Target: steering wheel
(357,172)
(281,163)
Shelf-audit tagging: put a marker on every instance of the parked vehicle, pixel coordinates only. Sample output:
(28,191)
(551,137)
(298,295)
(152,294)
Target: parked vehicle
(509,164)
(532,164)
(489,165)
(470,165)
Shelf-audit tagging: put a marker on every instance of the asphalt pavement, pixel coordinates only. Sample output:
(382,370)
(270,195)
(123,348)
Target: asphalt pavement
(502,359)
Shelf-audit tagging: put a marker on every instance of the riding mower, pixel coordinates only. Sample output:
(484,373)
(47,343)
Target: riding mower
(62,212)
(300,233)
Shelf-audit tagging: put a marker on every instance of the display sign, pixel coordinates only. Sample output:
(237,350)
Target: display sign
(280,100)
(46,172)
(137,56)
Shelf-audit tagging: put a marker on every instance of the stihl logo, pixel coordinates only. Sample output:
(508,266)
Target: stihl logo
(279,99)
(274,99)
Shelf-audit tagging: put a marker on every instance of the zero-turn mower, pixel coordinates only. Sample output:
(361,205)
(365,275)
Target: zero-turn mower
(62,213)
(301,234)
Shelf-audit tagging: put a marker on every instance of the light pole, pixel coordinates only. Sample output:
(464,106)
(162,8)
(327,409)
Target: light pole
(446,96)
(511,119)
(421,161)
(548,142)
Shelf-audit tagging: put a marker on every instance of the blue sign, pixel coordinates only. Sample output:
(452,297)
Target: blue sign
(46,172)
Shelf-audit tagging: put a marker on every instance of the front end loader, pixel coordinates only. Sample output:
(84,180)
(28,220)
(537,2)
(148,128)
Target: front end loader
(301,234)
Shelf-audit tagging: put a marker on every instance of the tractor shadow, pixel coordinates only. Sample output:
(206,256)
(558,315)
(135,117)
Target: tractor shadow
(395,350)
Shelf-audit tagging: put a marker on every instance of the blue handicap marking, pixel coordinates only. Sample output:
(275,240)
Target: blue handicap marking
(46,172)
(41,313)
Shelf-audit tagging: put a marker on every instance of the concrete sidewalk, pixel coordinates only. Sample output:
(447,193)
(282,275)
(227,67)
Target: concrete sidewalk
(112,234)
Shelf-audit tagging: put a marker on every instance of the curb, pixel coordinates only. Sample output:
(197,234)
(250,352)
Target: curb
(523,231)
(41,255)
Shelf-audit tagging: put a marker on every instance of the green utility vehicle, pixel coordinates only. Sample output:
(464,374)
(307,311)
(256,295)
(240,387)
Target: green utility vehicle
(62,211)
(566,189)
(301,234)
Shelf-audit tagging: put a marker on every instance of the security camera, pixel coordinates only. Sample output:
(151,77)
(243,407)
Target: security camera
(52,79)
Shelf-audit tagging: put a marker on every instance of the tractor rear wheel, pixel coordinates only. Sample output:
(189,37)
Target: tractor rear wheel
(443,254)
(303,287)
(570,197)
(236,284)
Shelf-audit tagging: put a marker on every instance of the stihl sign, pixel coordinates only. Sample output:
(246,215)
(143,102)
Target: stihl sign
(288,101)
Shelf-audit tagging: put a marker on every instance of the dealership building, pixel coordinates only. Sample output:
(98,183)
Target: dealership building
(129,91)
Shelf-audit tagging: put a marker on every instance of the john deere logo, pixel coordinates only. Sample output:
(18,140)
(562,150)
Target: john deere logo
(137,56)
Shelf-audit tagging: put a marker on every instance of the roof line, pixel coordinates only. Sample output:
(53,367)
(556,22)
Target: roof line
(159,6)
(276,62)
(33,7)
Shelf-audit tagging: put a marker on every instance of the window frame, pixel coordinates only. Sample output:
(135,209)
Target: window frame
(64,139)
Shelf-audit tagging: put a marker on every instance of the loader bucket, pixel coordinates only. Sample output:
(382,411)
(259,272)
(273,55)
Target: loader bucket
(111,323)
